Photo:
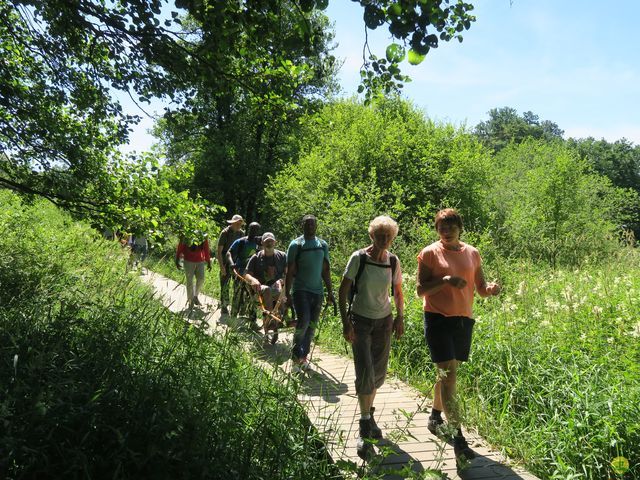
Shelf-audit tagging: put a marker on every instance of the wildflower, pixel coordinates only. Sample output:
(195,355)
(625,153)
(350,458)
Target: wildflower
(520,291)
(597,310)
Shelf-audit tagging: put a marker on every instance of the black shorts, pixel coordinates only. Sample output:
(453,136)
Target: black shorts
(448,338)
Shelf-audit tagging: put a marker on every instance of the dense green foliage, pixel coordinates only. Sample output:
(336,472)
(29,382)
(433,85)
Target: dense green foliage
(534,199)
(505,126)
(99,380)
(240,66)
(359,161)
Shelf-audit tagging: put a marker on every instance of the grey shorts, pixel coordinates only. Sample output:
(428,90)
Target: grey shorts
(371,351)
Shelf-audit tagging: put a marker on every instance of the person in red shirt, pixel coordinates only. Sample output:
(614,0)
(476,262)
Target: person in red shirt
(195,257)
(449,273)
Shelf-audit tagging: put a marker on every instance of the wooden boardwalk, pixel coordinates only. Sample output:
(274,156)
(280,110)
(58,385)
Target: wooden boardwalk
(328,393)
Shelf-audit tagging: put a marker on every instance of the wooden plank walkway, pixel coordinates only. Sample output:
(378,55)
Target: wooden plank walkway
(329,395)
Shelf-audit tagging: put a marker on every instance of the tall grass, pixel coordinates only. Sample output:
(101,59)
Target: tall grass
(98,380)
(554,375)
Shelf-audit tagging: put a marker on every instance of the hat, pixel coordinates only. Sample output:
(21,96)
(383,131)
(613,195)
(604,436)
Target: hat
(236,218)
(268,236)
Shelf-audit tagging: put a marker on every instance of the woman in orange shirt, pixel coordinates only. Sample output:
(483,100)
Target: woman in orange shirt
(449,272)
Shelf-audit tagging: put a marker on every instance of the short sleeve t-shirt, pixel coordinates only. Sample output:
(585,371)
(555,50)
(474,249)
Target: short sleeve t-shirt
(241,251)
(227,237)
(267,269)
(374,285)
(309,261)
(450,301)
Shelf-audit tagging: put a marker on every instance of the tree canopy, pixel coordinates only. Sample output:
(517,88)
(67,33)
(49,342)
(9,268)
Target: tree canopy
(505,125)
(62,62)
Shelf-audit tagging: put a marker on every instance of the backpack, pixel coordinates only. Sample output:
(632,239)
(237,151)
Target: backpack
(300,250)
(362,255)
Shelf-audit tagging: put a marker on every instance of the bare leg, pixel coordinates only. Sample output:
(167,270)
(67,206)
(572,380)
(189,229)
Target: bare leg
(366,402)
(444,398)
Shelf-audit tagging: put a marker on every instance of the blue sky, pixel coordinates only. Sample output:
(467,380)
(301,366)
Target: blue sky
(574,62)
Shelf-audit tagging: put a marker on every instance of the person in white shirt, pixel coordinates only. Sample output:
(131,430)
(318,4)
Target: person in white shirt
(367,318)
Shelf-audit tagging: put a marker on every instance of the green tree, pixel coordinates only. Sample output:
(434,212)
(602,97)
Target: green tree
(59,125)
(359,161)
(505,126)
(620,162)
(235,139)
(549,205)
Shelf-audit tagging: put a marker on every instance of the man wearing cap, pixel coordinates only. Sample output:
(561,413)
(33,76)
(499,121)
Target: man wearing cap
(265,272)
(229,234)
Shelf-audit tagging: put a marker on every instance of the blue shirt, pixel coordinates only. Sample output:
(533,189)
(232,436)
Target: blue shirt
(241,251)
(310,261)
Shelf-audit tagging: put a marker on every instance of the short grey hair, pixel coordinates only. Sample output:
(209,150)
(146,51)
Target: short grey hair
(383,222)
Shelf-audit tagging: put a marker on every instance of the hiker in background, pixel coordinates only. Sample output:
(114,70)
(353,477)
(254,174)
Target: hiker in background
(265,273)
(238,256)
(139,250)
(229,234)
(242,249)
(449,271)
(307,269)
(196,256)
(371,275)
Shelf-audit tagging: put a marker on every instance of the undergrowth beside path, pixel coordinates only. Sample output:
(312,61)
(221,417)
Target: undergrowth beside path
(98,380)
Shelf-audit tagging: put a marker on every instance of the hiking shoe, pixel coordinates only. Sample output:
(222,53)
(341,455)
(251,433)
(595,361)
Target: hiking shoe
(462,450)
(364,446)
(375,430)
(434,424)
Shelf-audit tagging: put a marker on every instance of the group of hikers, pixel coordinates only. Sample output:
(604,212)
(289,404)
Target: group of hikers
(448,275)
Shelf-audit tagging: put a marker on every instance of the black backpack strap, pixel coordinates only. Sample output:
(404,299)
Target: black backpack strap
(363,261)
(300,250)
(362,257)
(394,263)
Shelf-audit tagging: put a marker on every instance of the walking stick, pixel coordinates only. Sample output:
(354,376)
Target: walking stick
(263,309)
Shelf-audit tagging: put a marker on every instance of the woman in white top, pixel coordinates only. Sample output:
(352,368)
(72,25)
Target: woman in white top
(369,322)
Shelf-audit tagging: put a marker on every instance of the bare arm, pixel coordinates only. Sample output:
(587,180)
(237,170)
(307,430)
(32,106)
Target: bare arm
(428,284)
(343,295)
(288,283)
(220,259)
(398,298)
(253,281)
(483,288)
(326,277)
